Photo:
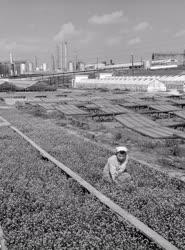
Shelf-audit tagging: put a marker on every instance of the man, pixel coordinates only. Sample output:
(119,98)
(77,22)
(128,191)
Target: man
(115,169)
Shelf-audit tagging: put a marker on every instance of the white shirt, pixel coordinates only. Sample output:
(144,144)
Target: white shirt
(113,168)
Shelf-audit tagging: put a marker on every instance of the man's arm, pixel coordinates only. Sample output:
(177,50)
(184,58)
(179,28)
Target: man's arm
(123,166)
(113,171)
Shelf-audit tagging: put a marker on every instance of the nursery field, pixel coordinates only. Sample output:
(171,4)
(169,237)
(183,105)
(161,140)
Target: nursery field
(149,125)
(154,198)
(41,209)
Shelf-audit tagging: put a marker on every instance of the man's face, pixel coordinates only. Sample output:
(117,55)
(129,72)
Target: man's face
(121,156)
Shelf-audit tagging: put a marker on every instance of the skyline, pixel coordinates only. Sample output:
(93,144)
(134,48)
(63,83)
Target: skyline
(103,29)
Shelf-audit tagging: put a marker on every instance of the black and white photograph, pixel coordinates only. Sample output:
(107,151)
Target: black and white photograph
(92,124)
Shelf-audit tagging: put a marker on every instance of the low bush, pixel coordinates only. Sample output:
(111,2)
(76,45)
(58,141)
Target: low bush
(166,162)
(117,136)
(175,151)
(147,145)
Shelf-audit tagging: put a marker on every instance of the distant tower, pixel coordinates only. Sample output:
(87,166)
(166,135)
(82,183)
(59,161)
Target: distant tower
(58,59)
(12,67)
(22,68)
(65,56)
(36,63)
(44,67)
(76,60)
(132,62)
(52,63)
(183,58)
(11,58)
(30,67)
(71,66)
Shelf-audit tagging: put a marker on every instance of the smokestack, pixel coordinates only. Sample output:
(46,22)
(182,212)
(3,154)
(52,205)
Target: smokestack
(65,56)
(11,58)
(61,56)
(58,56)
(12,70)
(36,63)
(52,63)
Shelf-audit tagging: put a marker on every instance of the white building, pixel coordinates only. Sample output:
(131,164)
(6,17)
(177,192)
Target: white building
(105,75)
(134,83)
(81,66)
(78,79)
(156,86)
(44,67)
(30,67)
(22,68)
(71,67)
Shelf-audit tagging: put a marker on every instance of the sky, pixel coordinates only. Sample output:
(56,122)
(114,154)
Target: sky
(96,30)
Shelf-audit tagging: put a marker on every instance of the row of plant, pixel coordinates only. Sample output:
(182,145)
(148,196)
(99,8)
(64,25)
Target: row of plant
(154,198)
(41,209)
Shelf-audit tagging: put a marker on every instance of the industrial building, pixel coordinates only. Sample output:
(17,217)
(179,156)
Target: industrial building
(18,68)
(95,66)
(176,56)
(133,83)
(147,64)
(163,64)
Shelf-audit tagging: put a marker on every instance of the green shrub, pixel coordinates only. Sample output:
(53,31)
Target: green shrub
(170,142)
(118,136)
(175,150)
(148,145)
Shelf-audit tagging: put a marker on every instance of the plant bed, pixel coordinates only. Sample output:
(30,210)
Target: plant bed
(41,209)
(154,198)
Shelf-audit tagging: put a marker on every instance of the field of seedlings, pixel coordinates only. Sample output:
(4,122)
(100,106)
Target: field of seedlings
(154,198)
(166,152)
(41,209)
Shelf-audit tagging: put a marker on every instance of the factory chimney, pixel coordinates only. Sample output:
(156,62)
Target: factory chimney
(58,56)
(62,55)
(12,69)
(52,63)
(65,55)
(36,63)
(11,58)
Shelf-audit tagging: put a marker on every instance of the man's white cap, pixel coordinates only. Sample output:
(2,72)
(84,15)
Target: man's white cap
(118,149)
